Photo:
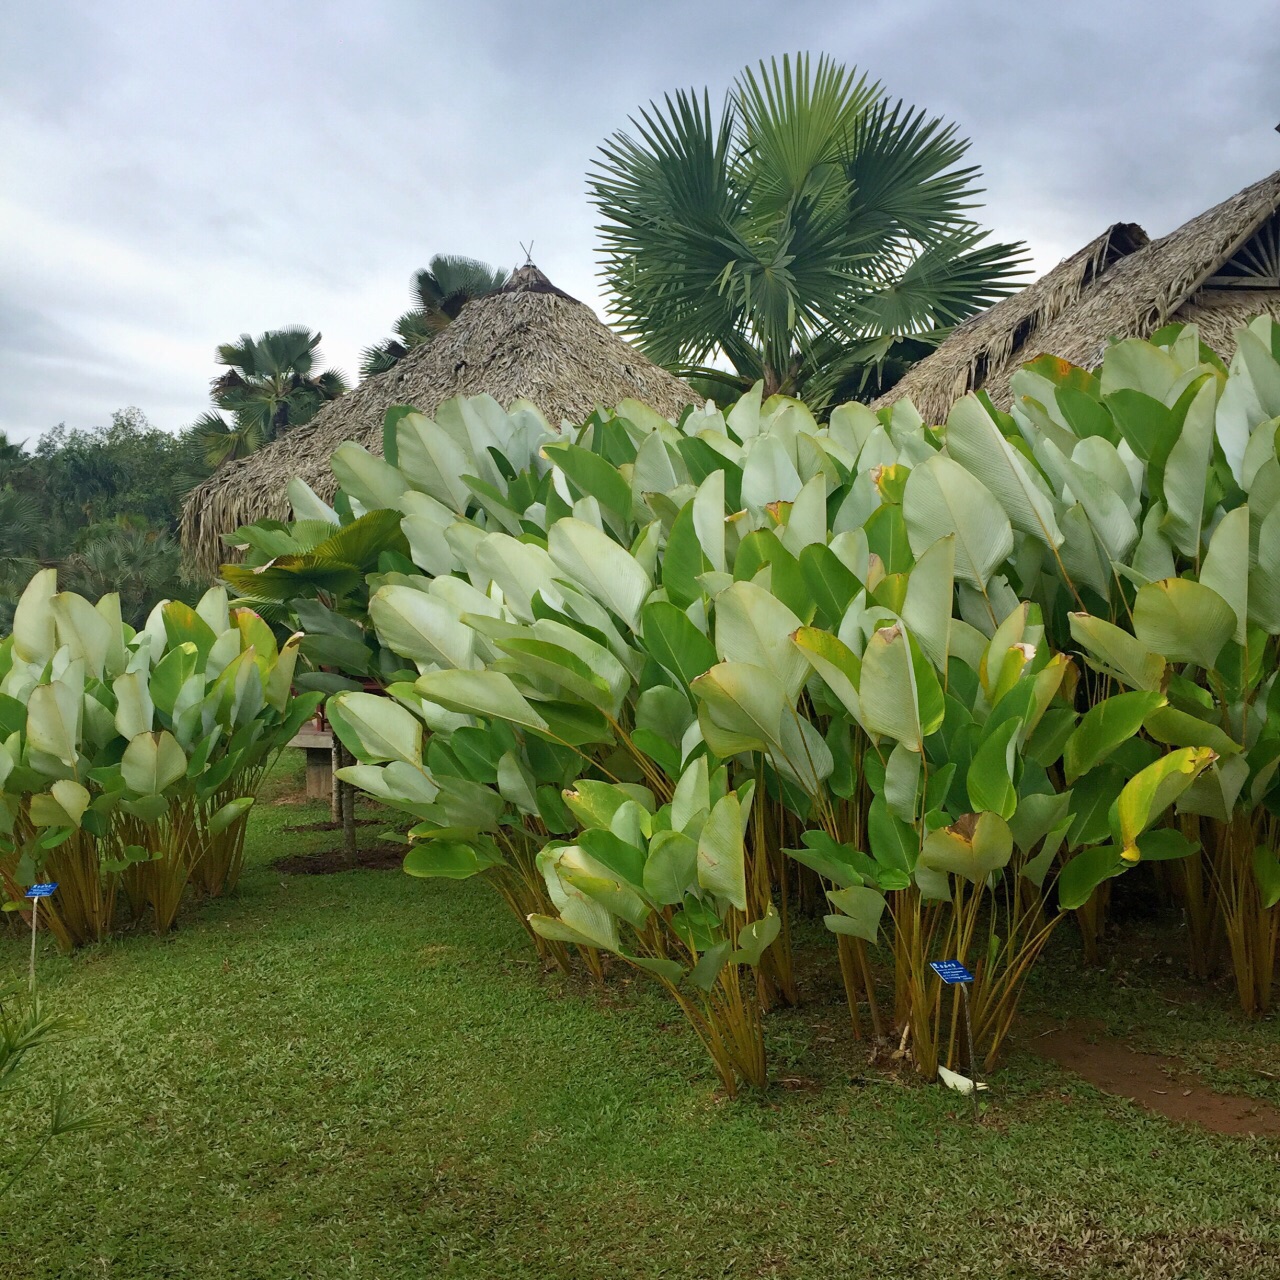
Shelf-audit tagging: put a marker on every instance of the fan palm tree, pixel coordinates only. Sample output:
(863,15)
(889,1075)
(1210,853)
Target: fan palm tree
(140,563)
(812,234)
(271,383)
(439,291)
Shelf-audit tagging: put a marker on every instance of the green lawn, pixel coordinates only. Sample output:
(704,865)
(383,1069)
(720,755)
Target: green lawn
(365,1075)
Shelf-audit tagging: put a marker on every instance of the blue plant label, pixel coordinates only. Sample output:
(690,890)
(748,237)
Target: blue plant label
(42,890)
(951,971)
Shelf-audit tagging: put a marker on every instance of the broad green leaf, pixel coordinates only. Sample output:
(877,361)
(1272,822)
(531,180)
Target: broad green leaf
(135,713)
(836,663)
(1107,511)
(671,869)
(861,909)
(606,571)
(1117,653)
(831,583)
(1085,872)
(183,625)
(943,498)
(445,859)
(976,442)
(740,708)
(902,776)
(171,675)
(989,780)
(592,475)
(1186,472)
(152,763)
(555,930)
(972,847)
(753,626)
(54,719)
(887,689)
(721,856)
(65,805)
(1225,568)
(684,560)
(1183,621)
(927,609)
(1104,727)
(34,622)
(675,643)
(371,481)
(756,938)
(595,804)
(480,693)
(229,814)
(85,632)
(1152,790)
(1266,870)
(1180,729)
(375,729)
(580,870)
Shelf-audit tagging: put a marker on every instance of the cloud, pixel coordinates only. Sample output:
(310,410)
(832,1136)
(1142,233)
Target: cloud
(178,174)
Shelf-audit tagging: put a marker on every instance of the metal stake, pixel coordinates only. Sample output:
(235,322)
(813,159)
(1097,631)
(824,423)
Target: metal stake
(973,1062)
(35,911)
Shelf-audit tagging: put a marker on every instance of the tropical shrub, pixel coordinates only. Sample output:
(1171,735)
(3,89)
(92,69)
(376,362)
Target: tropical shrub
(1153,485)
(948,679)
(130,759)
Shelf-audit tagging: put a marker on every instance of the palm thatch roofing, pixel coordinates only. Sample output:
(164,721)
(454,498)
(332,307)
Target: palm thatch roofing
(529,341)
(1220,269)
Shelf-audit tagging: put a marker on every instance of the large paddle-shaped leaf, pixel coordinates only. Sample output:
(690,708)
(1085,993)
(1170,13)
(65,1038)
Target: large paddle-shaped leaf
(943,498)
(375,729)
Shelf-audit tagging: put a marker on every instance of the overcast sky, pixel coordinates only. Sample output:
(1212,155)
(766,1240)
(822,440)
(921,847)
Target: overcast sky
(173,174)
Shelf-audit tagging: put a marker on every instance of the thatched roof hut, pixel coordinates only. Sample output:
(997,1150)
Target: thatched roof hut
(528,341)
(1220,269)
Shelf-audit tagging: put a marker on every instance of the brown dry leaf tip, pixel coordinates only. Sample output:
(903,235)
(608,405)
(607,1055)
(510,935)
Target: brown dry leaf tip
(890,634)
(965,826)
(736,516)
(875,473)
(778,509)
(1028,651)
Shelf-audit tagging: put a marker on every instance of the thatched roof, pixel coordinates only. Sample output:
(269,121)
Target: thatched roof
(529,341)
(1120,285)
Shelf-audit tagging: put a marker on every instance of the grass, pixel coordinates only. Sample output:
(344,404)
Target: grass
(366,1075)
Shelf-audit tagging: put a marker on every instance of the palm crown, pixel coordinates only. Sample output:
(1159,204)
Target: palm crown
(810,234)
(270,384)
(439,291)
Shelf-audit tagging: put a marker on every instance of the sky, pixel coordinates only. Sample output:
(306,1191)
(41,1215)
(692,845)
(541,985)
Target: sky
(173,174)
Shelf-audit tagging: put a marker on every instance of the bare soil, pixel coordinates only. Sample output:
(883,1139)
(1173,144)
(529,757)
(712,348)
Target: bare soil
(1153,1081)
(378,857)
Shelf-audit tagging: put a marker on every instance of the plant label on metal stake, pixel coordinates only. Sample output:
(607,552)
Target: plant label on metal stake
(954,974)
(35,893)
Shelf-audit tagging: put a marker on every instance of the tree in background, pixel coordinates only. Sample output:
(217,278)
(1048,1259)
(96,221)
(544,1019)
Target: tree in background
(103,506)
(271,383)
(813,234)
(440,291)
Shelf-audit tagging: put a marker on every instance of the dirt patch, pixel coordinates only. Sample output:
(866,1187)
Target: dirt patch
(378,857)
(293,796)
(330,825)
(1154,1082)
